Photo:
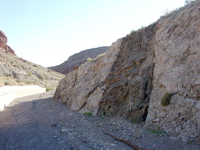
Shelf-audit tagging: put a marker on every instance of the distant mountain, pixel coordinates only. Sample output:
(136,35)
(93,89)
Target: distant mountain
(78,59)
(18,71)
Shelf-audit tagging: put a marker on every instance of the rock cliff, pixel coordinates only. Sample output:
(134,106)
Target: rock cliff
(83,88)
(177,71)
(3,44)
(151,75)
(78,59)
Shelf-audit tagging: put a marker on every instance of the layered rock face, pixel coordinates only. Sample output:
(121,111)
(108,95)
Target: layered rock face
(3,40)
(131,79)
(78,59)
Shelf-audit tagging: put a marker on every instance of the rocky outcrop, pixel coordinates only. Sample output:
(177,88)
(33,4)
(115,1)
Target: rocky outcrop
(5,48)
(137,71)
(117,83)
(82,89)
(177,71)
(78,59)
(129,82)
(3,39)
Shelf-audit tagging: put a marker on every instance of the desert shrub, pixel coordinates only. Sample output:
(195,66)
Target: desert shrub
(88,113)
(30,74)
(89,59)
(7,83)
(18,80)
(165,101)
(48,88)
(157,131)
(29,82)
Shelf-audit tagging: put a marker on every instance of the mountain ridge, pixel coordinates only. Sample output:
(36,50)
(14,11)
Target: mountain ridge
(78,59)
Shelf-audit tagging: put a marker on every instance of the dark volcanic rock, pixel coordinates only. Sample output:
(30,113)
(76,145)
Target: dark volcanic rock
(78,59)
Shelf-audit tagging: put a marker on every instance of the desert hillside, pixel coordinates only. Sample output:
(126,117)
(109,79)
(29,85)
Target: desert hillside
(18,71)
(78,59)
(151,77)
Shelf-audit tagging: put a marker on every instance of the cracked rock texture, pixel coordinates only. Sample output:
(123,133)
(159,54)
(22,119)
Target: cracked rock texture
(83,89)
(137,70)
(177,70)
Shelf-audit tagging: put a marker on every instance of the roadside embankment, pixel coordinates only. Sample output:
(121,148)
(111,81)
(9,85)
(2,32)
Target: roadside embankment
(9,93)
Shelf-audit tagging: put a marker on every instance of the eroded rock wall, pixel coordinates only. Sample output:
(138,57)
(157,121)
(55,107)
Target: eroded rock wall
(177,71)
(82,89)
(129,82)
(138,70)
(118,83)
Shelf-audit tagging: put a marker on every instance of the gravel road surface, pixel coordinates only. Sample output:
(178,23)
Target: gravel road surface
(38,122)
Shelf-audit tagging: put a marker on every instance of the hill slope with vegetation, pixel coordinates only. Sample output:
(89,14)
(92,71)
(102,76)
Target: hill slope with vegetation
(78,59)
(18,71)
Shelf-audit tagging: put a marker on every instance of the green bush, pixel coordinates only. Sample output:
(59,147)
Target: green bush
(165,101)
(88,113)
(157,131)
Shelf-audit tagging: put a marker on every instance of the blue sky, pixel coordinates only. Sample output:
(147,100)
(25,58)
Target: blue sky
(47,32)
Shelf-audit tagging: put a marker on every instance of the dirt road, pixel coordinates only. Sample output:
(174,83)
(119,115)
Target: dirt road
(38,122)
